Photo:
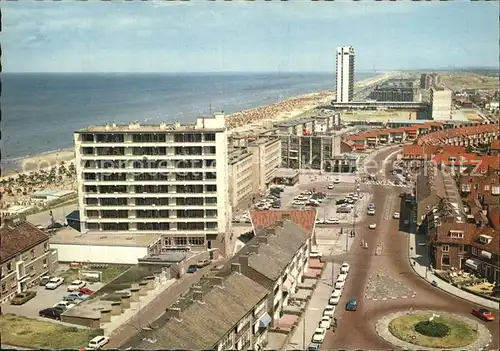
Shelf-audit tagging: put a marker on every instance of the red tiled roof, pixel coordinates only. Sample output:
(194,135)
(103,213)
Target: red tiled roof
(494,216)
(15,240)
(264,219)
(493,246)
(495,144)
(442,233)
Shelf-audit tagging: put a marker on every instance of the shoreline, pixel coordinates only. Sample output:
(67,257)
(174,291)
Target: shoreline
(279,111)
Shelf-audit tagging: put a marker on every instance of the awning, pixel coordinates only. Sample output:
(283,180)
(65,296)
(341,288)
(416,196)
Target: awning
(287,285)
(486,254)
(472,263)
(265,320)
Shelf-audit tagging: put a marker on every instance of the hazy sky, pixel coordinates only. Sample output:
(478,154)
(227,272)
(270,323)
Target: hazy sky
(202,36)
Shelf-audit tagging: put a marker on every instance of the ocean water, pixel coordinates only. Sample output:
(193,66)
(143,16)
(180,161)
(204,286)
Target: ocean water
(41,111)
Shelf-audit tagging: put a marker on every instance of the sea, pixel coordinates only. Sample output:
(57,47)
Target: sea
(40,111)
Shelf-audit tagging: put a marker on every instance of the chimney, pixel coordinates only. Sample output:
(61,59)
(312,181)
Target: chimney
(243,260)
(174,312)
(262,239)
(254,249)
(198,296)
(236,267)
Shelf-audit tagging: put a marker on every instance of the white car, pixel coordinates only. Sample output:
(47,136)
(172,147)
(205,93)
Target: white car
(319,335)
(98,342)
(339,284)
(325,322)
(372,226)
(76,285)
(345,268)
(335,298)
(65,305)
(329,311)
(336,181)
(330,186)
(54,283)
(370,212)
(320,221)
(332,221)
(396,215)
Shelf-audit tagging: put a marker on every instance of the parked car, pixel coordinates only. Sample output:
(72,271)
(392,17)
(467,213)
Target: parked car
(484,314)
(335,298)
(319,335)
(45,279)
(345,268)
(351,305)
(314,347)
(320,221)
(53,313)
(330,186)
(22,298)
(370,212)
(54,283)
(336,181)
(203,263)
(192,268)
(372,225)
(340,202)
(343,209)
(76,285)
(396,215)
(86,291)
(98,342)
(77,295)
(64,305)
(332,220)
(325,322)
(329,311)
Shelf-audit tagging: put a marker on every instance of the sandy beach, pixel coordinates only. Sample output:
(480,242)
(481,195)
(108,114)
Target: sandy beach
(241,121)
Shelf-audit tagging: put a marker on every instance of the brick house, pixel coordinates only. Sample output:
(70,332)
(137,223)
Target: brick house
(484,253)
(25,257)
(479,185)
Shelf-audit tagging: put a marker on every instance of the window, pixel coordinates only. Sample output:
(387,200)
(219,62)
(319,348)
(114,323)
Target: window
(474,251)
(456,234)
(181,241)
(32,253)
(4,287)
(32,271)
(197,241)
(486,188)
(1,272)
(226,342)
(462,248)
(45,247)
(13,283)
(445,260)
(45,263)
(445,248)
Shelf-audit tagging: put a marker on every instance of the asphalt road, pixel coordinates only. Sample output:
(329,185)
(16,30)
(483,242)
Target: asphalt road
(356,330)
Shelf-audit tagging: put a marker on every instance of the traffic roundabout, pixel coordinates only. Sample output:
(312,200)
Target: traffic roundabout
(432,330)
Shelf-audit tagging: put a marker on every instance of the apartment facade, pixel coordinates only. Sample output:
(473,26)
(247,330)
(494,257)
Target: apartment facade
(25,257)
(440,100)
(242,184)
(345,73)
(309,151)
(167,179)
(219,313)
(267,159)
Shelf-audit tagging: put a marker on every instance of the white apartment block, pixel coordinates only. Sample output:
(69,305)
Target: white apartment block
(156,179)
(345,73)
(252,169)
(440,100)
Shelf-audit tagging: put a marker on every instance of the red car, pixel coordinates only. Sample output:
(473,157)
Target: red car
(484,314)
(86,291)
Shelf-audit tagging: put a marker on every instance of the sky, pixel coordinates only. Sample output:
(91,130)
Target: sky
(220,36)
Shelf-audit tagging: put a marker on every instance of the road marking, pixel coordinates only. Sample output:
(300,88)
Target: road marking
(314,308)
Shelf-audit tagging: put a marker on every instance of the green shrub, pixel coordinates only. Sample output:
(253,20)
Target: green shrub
(432,329)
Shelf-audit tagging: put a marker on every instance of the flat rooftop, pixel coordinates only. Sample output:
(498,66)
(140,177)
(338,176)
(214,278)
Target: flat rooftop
(237,154)
(295,122)
(69,235)
(146,128)
(88,309)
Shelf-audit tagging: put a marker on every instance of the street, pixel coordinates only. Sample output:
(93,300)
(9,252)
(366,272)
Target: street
(381,278)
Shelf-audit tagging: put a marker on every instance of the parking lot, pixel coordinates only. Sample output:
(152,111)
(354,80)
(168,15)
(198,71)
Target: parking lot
(44,299)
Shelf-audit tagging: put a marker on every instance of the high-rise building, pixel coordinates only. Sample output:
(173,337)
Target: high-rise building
(164,179)
(345,73)
(440,100)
